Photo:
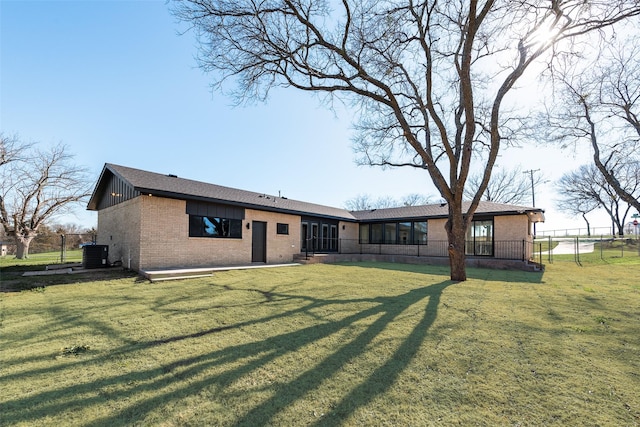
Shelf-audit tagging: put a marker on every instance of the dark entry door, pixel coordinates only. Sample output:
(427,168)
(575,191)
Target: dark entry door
(259,241)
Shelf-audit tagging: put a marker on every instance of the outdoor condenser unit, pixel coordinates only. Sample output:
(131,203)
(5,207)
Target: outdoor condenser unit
(95,256)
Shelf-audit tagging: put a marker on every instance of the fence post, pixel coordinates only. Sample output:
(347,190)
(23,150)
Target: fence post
(540,248)
(601,253)
(63,247)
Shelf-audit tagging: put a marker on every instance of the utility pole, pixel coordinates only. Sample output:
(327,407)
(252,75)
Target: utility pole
(533,191)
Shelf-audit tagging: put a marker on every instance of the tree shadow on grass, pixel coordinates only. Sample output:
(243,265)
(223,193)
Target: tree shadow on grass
(182,378)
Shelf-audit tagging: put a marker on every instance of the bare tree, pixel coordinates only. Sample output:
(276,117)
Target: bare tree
(35,186)
(600,104)
(415,199)
(363,202)
(577,196)
(509,186)
(12,149)
(584,190)
(429,79)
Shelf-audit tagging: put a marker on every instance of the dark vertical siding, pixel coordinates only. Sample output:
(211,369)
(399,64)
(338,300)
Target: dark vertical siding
(116,191)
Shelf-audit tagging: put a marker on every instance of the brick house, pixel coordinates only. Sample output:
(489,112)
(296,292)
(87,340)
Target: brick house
(155,221)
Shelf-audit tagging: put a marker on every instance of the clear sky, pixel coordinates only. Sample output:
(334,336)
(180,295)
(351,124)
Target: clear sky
(116,82)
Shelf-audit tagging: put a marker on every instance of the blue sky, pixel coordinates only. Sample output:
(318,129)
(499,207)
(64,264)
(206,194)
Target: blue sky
(116,82)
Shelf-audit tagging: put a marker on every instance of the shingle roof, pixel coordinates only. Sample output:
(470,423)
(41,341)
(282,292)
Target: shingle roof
(175,187)
(438,211)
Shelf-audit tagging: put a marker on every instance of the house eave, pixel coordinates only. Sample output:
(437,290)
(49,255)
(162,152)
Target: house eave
(275,209)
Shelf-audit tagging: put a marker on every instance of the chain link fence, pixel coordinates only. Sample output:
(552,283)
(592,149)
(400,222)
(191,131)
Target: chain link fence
(51,249)
(585,250)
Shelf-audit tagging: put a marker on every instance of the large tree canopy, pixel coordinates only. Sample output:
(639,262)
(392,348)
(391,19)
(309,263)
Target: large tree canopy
(598,103)
(428,78)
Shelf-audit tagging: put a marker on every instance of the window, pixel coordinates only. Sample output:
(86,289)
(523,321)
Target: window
(404,233)
(376,233)
(394,233)
(364,233)
(207,226)
(333,241)
(282,228)
(420,233)
(325,236)
(480,238)
(390,233)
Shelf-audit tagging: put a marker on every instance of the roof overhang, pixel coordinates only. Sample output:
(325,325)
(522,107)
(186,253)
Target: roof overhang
(536,216)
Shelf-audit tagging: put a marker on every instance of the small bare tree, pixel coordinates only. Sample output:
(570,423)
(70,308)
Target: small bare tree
(429,79)
(577,196)
(35,186)
(583,190)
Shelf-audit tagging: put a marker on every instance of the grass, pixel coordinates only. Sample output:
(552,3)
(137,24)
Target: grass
(626,252)
(71,256)
(326,345)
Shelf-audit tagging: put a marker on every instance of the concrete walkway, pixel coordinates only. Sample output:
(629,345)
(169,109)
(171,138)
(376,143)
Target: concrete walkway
(190,273)
(568,247)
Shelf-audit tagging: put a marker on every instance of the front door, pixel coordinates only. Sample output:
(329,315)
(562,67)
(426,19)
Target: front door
(259,241)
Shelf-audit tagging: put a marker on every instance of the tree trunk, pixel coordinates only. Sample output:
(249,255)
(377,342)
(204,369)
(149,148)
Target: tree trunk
(456,233)
(22,246)
(584,216)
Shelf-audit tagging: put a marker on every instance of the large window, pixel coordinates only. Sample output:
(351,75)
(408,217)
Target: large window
(420,233)
(404,233)
(376,233)
(207,226)
(390,233)
(364,233)
(480,238)
(393,233)
(333,242)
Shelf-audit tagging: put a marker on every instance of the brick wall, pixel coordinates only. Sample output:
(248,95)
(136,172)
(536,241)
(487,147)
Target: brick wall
(349,236)
(153,233)
(280,247)
(512,227)
(515,228)
(119,228)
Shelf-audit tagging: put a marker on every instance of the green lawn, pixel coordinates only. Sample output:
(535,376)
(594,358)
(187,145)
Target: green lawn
(325,345)
(71,256)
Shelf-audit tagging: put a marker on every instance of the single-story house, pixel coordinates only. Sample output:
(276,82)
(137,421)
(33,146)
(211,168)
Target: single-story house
(160,221)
